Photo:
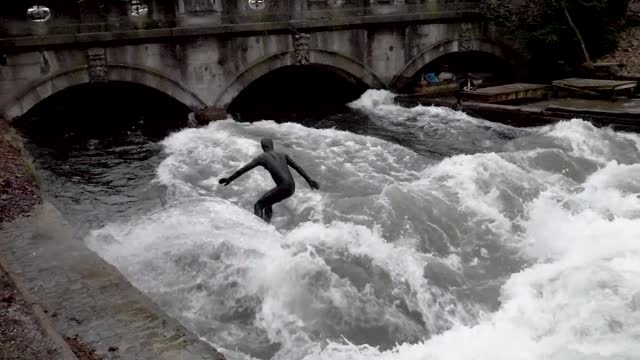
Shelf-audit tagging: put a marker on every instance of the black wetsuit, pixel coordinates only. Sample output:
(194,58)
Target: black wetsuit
(277,164)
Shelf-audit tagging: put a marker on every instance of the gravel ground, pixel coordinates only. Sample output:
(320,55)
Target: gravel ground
(18,191)
(81,350)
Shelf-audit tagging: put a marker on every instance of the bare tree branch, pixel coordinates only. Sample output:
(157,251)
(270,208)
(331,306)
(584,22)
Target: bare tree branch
(585,53)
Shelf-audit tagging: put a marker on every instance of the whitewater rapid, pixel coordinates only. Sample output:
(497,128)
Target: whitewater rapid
(512,244)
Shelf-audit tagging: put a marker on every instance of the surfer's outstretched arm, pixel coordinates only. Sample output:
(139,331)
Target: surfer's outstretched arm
(312,183)
(253,163)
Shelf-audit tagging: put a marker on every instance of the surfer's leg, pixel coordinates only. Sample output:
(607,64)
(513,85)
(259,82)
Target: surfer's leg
(257,209)
(260,211)
(268,213)
(263,207)
(262,204)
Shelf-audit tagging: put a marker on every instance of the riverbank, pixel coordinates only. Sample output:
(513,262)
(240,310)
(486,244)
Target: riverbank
(18,187)
(628,53)
(21,334)
(60,300)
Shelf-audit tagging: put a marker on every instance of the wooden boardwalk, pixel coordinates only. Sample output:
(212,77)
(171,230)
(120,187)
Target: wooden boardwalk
(595,86)
(501,93)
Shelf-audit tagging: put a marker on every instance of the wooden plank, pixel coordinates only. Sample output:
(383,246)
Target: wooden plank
(508,92)
(426,88)
(625,86)
(509,88)
(439,89)
(576,89)
(596,84)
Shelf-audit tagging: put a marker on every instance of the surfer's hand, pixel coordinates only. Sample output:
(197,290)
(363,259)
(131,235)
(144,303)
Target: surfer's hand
(224,181)
(314,184)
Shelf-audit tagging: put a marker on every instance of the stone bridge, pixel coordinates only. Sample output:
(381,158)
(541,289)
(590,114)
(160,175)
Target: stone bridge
(206,52)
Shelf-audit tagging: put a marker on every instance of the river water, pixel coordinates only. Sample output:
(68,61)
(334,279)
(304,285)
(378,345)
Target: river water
(434,235)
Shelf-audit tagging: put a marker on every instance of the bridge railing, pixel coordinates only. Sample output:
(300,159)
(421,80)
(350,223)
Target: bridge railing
(321,9)
(55,17)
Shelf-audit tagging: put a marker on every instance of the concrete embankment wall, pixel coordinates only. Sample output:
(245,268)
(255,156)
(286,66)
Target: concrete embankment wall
(87,299)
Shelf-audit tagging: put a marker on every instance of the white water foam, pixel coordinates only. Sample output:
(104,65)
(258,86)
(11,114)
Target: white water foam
(446,131)
(397,257)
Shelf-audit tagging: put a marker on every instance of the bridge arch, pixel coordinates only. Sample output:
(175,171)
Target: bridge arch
(78,76)
(453,46)
(326,58)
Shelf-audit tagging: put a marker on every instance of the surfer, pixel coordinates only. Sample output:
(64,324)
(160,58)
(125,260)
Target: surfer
(277,164)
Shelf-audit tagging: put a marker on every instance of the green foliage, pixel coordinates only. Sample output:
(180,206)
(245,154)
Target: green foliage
(541,27)
(32,171)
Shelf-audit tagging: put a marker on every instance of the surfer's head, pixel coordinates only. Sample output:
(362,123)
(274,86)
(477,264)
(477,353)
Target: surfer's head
(267,144)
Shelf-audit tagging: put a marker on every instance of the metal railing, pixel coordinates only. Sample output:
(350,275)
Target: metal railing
(118,17)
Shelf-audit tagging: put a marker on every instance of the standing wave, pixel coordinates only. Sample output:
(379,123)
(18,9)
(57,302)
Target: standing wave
(527,252)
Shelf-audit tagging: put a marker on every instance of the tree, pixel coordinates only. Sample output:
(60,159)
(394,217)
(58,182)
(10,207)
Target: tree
(566,30)
(587,58)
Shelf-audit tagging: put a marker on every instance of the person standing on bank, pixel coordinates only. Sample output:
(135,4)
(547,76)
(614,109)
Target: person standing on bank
(465,83)
(277,164)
